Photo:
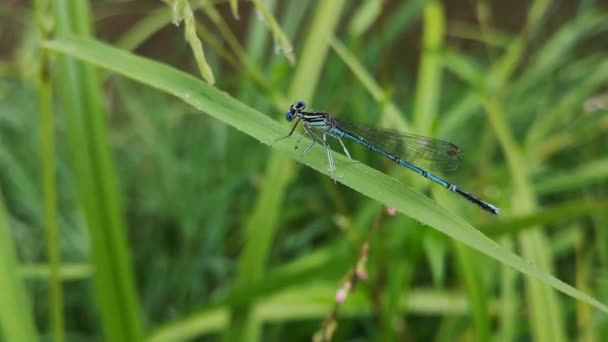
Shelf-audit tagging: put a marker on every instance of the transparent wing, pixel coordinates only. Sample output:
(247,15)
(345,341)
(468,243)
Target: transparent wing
(427,153)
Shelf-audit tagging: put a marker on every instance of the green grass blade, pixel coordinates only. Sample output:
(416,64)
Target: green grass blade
(145,28)
(545,307)
(262,224)
(563,211)
(543,303)
(509,299)
(465,68)
(313,301)
(47,167)
(357,176)
(315,50)
(67,271)
(590,173)
(392,115)
(16,320)
(96,183)
(403,18)
(367,13)
(470,272)
(49,179)
(429,78)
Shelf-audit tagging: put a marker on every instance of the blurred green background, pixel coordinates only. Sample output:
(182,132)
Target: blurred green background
(127,213)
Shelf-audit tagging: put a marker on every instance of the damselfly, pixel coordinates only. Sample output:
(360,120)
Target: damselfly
(411,151)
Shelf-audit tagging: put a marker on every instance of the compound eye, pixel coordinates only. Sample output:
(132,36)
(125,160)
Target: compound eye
(300,105)
(289,116)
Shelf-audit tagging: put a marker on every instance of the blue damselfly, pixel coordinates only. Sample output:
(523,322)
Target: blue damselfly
(411,151)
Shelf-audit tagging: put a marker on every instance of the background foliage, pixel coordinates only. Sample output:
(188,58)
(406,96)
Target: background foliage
(127,213)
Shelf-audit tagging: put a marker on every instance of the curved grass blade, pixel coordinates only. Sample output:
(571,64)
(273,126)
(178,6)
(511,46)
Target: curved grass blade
(357,176)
